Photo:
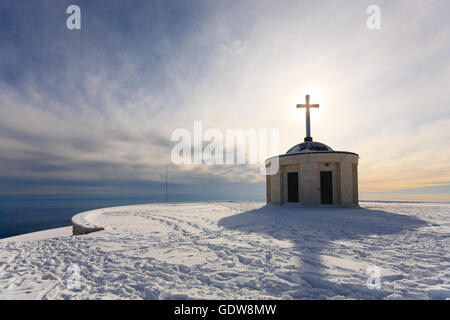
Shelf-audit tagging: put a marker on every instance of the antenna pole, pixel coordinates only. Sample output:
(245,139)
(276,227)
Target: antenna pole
(167,167)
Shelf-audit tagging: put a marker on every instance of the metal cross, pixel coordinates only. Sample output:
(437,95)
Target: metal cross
(308,124)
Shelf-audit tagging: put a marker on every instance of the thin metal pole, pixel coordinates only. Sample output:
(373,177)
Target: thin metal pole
(167,167)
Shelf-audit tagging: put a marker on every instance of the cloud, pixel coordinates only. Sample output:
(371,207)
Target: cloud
(100,104)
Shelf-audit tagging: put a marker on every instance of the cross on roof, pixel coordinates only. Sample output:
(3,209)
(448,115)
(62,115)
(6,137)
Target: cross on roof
(308,125)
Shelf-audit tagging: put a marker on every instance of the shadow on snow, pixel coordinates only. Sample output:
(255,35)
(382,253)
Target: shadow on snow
(311,230)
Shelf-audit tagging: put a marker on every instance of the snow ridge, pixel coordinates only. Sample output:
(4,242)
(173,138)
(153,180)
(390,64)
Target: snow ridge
(84,222)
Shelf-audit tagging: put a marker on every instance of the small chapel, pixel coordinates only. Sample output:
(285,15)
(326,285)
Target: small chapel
(312,174)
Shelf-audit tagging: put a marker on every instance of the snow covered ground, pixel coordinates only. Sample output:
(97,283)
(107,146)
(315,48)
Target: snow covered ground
(216,250)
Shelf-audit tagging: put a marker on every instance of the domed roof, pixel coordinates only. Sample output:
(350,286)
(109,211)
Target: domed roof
(309,146)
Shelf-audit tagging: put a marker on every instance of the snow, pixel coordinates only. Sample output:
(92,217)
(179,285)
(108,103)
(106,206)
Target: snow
(218,250)
(41,235)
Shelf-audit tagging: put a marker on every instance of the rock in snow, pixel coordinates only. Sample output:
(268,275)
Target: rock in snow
(237,251)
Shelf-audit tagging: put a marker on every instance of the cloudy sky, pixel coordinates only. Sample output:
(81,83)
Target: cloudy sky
(90,112)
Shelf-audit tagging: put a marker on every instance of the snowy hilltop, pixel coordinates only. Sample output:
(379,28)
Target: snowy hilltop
(217,250)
